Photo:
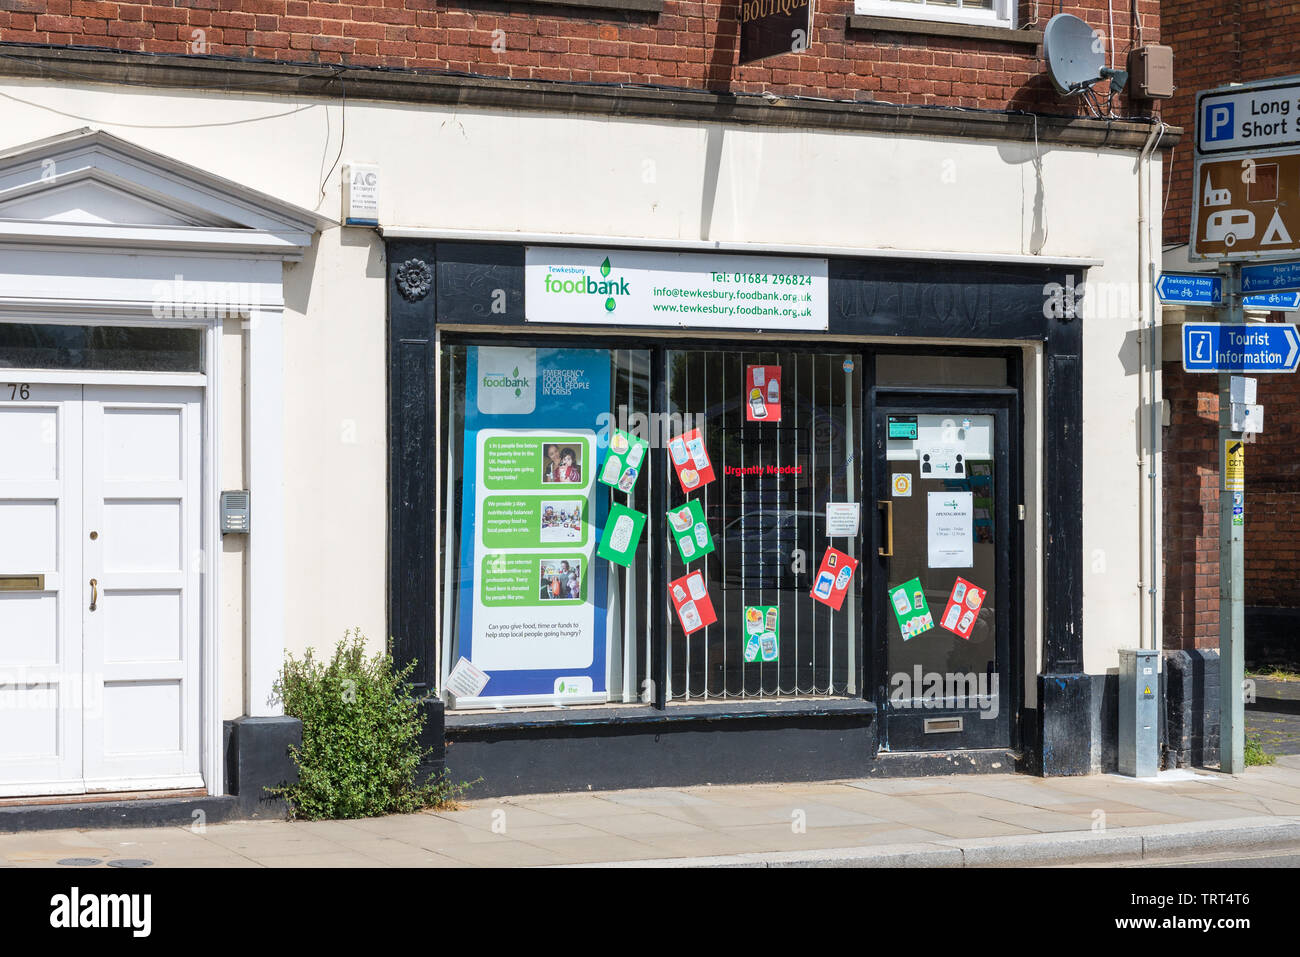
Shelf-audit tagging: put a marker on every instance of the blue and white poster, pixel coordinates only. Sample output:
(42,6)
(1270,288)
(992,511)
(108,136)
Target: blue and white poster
(532,600)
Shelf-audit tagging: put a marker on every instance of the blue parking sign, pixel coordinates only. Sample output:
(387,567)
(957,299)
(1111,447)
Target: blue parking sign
(1218,121)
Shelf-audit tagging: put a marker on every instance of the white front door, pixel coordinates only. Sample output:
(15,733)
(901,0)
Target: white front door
(100,495)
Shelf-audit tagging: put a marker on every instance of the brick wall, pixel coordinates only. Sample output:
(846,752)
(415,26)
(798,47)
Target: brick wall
(1191,505)
(688,44)
(1216,42)
(1273,498)
(1191,510)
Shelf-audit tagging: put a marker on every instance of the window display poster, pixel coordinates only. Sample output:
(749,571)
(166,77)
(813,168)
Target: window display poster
(531,598)
(950,530)
(833,578)
(762,633)
(690,598)
(762,393)
(690,531)
(622,535)
(623,461)
(691,460)
(963,608)
(911,609)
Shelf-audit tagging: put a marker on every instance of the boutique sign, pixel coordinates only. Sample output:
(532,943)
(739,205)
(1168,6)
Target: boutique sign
(771,27)
(641,288)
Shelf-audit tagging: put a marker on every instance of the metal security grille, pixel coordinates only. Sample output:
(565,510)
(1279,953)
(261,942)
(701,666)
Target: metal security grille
(766,512)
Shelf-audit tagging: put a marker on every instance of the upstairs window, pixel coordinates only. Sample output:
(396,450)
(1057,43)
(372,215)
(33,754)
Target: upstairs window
(992,13)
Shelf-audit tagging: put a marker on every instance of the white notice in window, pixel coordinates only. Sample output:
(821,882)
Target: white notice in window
(951,530)
(842,519)
(465,680)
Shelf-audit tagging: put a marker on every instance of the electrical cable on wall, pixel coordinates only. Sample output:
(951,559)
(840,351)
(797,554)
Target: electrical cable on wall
(156,126)
(1110,9)
(343,135)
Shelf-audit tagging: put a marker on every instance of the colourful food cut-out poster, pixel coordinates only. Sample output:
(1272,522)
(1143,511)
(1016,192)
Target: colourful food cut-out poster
(762,393)
(911,609)
(691,460)
(624,461)
(690,598)
(622,535)
(834,578)
(690,531)
(762,633)
(963,608)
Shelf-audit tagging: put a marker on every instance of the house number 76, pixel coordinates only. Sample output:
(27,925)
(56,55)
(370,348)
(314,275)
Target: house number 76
(19,391)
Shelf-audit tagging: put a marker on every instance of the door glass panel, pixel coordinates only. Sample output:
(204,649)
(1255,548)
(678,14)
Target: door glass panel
(101,348)
(944,561)
(776,466)
(905,370)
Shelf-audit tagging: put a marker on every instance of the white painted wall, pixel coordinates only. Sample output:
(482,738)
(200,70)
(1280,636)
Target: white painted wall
(652,180)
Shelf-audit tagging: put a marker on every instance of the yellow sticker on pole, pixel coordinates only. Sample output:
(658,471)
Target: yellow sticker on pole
(1234,476)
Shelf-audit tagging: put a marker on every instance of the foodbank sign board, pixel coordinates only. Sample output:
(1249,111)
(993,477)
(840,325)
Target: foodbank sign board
(630,287)
(772,27)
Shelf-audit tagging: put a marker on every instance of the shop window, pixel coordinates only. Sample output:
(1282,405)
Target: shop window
(775,473)
(529,604)
(979,12)
(552,458)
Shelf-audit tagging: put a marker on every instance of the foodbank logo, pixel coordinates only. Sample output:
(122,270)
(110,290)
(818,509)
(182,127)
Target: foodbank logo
(507,381)
(494,380)
(586,286)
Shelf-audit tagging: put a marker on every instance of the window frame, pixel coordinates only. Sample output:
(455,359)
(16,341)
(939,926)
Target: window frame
(1003,14)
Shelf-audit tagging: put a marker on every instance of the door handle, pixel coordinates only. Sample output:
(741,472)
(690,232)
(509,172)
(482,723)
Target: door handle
(94,594)
(887,550)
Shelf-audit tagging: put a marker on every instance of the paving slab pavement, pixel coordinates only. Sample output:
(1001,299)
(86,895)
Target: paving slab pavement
(954,821)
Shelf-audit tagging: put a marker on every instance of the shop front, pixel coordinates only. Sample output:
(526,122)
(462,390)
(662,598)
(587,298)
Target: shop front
(722,516)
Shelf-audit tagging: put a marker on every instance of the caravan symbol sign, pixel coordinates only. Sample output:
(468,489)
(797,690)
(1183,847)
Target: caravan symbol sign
(1247,207)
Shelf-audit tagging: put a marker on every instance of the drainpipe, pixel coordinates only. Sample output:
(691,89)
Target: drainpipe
(1148,309)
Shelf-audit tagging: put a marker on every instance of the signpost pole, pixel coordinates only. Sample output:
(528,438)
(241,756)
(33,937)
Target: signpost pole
(1232,739)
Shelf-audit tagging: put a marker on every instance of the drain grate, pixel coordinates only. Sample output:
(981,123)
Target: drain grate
(130,862)
(80,861)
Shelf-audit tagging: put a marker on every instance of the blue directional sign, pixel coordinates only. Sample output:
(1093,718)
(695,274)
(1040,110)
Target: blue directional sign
(1259,347)
(1276,301)
(1205,289)
(1270,277)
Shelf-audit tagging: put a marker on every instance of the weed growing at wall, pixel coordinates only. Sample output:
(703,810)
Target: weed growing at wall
(361,753)
(1255,753)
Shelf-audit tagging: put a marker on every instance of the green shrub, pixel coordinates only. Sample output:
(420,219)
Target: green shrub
(360,753)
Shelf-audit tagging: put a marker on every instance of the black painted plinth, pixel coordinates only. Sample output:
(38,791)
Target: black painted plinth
(257,758)
(433,738)
(1065,716)
(637,747)
(1191,708)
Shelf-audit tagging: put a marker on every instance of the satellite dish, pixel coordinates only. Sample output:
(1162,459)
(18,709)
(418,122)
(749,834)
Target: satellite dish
(1073,62)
